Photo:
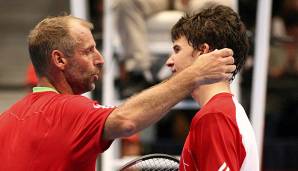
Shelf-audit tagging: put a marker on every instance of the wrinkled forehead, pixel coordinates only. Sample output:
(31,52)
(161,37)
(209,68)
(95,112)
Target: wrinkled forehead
(79,32)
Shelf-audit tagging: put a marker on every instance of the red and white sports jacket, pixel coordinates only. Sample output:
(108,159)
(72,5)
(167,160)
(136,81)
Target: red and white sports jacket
(221,138)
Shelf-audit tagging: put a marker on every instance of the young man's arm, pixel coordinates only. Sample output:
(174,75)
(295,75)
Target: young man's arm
(149,106)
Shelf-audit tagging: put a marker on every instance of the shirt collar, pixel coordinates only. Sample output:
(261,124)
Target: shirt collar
(43,89)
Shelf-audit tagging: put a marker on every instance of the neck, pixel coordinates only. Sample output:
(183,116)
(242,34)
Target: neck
(205,92)
(59,86)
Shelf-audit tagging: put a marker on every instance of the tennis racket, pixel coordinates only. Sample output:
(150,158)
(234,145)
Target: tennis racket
(152,162)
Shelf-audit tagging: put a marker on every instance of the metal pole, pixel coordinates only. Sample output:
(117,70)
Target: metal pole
(79,8)
(110,156)
(260,70)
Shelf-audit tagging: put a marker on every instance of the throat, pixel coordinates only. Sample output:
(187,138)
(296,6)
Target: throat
(205,92)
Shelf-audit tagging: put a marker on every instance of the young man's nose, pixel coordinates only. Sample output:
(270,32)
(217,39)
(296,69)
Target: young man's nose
(170,61)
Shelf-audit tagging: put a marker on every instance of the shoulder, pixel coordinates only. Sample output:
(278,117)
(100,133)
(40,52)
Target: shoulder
(213,120)
(79,102)
(220,107)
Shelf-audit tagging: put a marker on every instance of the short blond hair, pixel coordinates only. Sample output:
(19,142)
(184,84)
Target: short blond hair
(52,33)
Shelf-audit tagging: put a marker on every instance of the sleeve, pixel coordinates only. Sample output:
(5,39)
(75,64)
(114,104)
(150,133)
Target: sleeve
(86,122)
(215,147)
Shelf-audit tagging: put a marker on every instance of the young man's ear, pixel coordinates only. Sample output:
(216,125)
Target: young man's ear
(204,48)
(58,59)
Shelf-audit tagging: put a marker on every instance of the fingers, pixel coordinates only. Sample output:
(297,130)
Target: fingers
(227,60)
(227,76)
(215,66)
(230,68)
(226,57)
(225,52)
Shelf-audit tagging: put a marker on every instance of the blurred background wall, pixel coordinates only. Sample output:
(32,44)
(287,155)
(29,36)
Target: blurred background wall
(17,18)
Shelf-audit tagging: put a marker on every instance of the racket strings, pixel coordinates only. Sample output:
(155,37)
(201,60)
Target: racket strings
(154,164)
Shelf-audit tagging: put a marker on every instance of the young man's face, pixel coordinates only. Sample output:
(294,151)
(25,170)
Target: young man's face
(85,66)
(182,56)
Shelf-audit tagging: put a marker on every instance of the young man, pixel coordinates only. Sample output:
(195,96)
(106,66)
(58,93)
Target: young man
(132,16)
(54,128)
(220,137)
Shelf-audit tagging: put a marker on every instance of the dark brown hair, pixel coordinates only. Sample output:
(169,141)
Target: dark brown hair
(218,26)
